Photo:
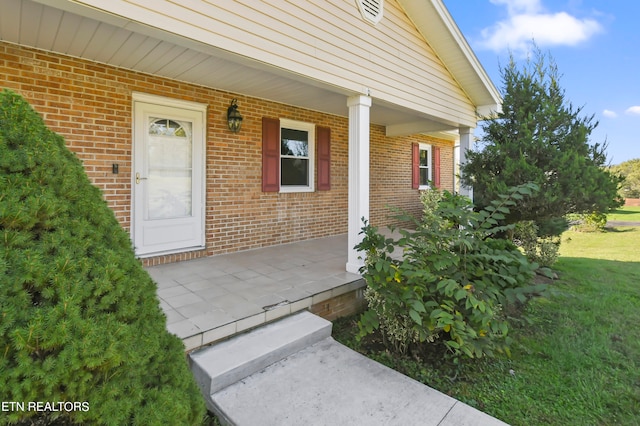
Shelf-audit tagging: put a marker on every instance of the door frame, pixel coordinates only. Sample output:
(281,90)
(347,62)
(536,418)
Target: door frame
(199,168)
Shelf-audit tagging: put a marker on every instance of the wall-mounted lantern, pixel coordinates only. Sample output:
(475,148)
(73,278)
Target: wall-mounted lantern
(234,119)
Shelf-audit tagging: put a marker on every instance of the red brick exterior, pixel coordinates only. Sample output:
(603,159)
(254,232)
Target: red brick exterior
(344,305)
(90,105)
(390,173)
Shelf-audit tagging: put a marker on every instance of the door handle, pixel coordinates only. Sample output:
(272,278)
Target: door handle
(138,178)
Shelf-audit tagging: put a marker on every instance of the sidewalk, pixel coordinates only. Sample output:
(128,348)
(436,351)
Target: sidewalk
(292,372)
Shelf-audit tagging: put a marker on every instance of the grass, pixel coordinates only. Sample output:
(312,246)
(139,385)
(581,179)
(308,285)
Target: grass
(577,360)
(625,214)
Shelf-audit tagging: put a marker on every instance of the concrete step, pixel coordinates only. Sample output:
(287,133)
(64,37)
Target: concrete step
(230,361)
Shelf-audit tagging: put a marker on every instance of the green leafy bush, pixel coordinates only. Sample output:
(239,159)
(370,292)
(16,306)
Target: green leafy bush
(542,250)
(451,280)
(589,222)
(79,317)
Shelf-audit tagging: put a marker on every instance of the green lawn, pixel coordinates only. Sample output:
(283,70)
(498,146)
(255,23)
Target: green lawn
(625,214)
(577,362)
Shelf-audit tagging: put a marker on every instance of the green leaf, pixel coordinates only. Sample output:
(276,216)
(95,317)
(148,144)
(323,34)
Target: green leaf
(452,344)
(461,294)
(418,306)
(415,316)
(378,265)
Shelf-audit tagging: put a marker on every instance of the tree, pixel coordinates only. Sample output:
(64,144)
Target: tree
(81,328)
(539,137)
(631,171)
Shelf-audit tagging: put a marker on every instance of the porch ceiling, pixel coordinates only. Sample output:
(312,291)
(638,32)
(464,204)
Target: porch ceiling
(76,30)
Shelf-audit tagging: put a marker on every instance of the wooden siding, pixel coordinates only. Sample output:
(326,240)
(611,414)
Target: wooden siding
(325,40)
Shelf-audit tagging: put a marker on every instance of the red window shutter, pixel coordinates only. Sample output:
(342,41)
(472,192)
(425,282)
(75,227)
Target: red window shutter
(324,158)
(415,161)
(270,154)
(436,166)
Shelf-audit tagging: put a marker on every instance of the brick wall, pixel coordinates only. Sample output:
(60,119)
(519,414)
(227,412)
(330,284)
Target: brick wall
(344,305)
(391,173)
(90,105)
(632,202)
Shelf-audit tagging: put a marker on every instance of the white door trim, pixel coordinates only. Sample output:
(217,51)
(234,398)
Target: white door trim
(197,241)
(170,102)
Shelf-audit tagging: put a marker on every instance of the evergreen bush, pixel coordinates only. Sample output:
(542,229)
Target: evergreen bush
(79,317)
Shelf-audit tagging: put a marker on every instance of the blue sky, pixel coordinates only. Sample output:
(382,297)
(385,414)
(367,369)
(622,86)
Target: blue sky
(595,44)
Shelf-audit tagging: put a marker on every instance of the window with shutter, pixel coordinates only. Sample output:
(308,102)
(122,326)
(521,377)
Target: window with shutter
(425,166)
(288,156)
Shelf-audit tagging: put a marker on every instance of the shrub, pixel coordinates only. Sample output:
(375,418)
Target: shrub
(395,322)
(452,279)
(79,317)
(542,250)
(589,222)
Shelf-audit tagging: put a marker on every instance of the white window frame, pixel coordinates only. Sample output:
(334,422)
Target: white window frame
(426,147)
(310,128)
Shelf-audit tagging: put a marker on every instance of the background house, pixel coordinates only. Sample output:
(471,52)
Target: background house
(348,107)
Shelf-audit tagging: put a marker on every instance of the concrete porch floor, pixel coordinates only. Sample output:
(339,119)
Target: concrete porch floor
(211,298)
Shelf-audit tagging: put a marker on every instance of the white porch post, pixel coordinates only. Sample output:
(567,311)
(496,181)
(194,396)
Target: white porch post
(466,141)
(358,175)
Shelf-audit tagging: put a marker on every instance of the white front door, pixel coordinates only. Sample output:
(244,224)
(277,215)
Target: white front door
(168,175)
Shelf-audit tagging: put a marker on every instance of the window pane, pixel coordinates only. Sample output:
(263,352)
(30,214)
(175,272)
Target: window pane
(169,171)
(294,171)
(424,176)
(169,194)
(424,157)
(294,143)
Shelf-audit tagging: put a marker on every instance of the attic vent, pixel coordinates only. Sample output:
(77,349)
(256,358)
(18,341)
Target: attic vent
(371,10)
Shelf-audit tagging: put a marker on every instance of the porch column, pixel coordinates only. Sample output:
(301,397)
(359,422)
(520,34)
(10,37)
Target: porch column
(466,141)
(358,175)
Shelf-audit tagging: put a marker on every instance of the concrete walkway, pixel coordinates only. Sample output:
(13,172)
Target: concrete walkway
(292,372)
(612,223)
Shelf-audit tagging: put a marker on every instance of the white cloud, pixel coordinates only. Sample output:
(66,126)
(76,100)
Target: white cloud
(610,114)
(528,21)
(517,6)
(633,110)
